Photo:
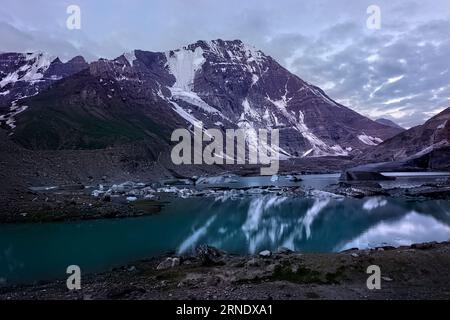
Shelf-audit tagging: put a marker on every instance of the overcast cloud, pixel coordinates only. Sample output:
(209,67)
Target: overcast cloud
(400,72)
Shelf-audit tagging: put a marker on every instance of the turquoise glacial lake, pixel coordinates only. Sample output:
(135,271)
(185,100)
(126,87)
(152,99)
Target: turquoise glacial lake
(35,252)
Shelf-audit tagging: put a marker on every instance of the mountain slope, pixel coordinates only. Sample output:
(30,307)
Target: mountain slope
(253,91)
(224,84)
(26,75)
(416,142)
(389,123)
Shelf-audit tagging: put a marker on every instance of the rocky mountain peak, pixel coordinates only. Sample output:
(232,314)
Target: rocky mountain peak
(388,122)
(222,83)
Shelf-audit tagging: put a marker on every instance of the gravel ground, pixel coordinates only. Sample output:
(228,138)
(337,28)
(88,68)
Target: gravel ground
(416,272)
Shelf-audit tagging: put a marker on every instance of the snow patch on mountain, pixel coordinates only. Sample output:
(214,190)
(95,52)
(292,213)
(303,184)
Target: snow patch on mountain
(247,121)
(14,110)
(442,125)
(428,149)
(249,111)
(319,147)
(183,65)
(192,98)
(32,71)
(369,140)
(255,79)
(317,93)
(130,56)
(238,52)
(184,114)
(10,78)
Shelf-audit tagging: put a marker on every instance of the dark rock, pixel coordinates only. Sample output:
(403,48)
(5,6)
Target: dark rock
(71,187)
(363,176)
(209,255)
(423,246)
(284,250)
(430,192)
(388,247)
(295,179)
(168,263)
(424,146)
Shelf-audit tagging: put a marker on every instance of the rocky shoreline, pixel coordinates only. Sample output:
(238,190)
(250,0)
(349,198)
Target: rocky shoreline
(133,199)
(32,207)
(414,272)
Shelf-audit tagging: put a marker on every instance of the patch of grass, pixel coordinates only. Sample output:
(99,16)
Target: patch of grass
(171,275)
(307,275)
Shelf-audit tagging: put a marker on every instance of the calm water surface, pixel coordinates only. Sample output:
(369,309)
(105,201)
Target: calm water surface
(30,252)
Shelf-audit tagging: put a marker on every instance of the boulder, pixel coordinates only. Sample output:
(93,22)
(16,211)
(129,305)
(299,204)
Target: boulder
(209,255)
(168,263)
(350,176)
(284,250)
(265,253)
(295,179)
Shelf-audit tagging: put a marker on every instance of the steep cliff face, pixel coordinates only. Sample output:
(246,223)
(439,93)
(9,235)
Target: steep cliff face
(232,83)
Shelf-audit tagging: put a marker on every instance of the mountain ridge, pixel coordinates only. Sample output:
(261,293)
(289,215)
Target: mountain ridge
(224,84)
(426,144)
(390,123)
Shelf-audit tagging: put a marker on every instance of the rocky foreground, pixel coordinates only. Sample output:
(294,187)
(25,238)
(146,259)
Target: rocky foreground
(416,272)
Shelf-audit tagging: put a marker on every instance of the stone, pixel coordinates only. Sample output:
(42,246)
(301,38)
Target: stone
(208,255)
(350,175)
(284,250)
(272,267)
(423,246)
(252,263)
(265,253)
(295,179)
(168,263)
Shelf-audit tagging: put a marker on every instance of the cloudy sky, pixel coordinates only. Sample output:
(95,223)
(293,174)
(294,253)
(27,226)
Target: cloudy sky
(400,72)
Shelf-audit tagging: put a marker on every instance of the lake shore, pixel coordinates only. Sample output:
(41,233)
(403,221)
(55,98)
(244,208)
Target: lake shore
(413,272)
(77,202)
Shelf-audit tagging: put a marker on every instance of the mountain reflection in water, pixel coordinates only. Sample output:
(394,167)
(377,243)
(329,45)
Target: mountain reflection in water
(322,223)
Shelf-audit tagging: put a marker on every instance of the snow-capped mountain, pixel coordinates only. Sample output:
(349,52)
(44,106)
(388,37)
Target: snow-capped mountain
(224,84)
(25,75)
